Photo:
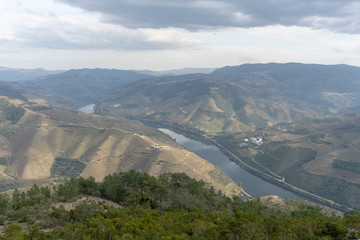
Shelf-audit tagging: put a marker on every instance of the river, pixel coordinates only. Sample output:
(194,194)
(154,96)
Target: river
(252,184)
(87,109)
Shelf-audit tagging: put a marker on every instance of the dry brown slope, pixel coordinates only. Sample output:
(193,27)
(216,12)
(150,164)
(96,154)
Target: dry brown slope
(102,145)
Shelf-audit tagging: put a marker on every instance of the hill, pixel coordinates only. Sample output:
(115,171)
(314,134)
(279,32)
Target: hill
(80,85)
(172,206)
(40,142)
(9,91)
(234,99)
(206,102)
(332,88)
(256,100)
(318,155)
(17,74)
(176,72)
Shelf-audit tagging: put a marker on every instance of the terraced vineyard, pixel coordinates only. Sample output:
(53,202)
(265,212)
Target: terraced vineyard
(48,143)
(319,155)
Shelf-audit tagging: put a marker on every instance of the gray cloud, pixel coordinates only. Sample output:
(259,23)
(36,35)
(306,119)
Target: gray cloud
(335,15)
(75,34)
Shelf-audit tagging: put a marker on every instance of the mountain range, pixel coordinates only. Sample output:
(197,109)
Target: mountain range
(241,97)
(18,74)
(305,114)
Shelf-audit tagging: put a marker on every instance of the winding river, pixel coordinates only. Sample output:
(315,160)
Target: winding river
(252,184)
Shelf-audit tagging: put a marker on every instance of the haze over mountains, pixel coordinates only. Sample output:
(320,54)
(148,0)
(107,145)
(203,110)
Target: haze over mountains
(242,97)
(12,74)
(232,98)
(278,102)
(78,87)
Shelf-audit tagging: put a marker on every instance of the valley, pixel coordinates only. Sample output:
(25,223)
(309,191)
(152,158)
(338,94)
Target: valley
(50,143)
(252,184)
(205,119)
(243,102)
(292,124)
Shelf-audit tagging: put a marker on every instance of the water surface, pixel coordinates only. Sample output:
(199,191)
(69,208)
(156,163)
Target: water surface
(252,184)
(87,109)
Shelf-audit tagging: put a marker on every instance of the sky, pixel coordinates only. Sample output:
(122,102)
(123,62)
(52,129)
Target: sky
(173,34)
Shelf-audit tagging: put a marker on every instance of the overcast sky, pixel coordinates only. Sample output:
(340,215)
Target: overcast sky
(169,34)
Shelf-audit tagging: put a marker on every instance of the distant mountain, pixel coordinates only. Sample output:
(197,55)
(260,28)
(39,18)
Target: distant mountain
(17,74)
(176,72)
(335,88)
(38,142)
(205,102)
(9,91)
(240,97)
(82,84)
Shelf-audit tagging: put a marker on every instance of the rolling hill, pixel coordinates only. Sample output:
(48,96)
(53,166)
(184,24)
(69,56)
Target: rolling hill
(319,155)
(176,72)
(316,151)
(202,101)
(332,88)
(293,107)
(9,91)
(17,74)
(234,99)
(38,142)
(81,85)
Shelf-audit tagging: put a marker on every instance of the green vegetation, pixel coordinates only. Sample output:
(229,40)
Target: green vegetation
(5,160)
(13,113)
(304,152)
(347,126)
(346,165)
(200,101)
(172,206)
(213,126)
(53,143)
(220,177)
(286,159)
(67,167)
(301,131)
(9,110)
(319,138)
(326,120)
(232,100)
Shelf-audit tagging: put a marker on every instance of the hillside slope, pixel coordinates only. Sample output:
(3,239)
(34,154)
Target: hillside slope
(332,88)
(18,74)
(238,98)
(45,142)
(80,85)
(202,101)
(318,155)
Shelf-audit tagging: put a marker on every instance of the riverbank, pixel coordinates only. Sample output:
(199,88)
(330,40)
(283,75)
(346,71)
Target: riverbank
(197,135)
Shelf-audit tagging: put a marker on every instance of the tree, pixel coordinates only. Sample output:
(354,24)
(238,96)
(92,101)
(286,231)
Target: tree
(4,203)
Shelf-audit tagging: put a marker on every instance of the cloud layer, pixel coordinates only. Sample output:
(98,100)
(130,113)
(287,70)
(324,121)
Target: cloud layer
(335,15)
(32,26)
(165,34)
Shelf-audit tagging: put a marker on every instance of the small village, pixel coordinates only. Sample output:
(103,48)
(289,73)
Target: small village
(254,140)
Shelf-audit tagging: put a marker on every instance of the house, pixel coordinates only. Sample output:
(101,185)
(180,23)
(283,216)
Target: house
(257,140)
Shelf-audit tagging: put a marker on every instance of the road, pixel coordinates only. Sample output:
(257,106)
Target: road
(279,180)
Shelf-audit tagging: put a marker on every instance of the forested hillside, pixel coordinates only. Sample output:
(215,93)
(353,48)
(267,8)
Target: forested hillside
(135,205)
